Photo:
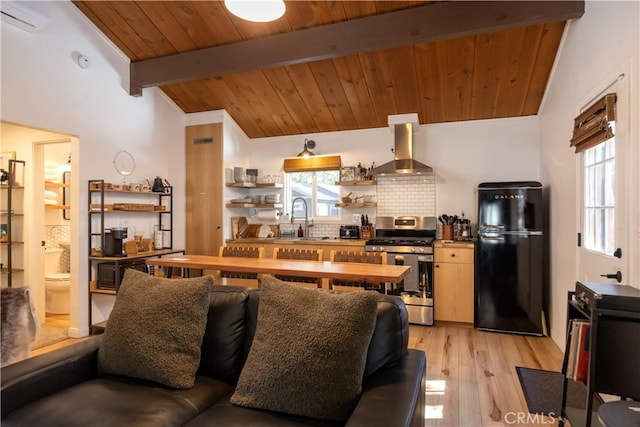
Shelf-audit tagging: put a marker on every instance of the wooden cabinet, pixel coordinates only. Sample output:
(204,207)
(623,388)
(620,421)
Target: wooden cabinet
(453,282)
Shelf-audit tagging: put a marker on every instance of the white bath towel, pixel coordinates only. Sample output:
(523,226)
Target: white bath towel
(50,195)
(50,202)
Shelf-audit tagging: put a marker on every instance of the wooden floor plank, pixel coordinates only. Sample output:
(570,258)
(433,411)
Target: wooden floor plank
(469,399)
(547,357)
(484,386)
(497,354)
(491,407)
(450,362)
(529,357)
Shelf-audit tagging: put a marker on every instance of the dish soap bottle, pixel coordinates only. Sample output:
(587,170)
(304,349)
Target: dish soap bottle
(300,231)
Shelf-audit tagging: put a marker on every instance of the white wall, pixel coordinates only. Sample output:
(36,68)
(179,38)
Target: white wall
(596,45)
(462,154)
(43,87)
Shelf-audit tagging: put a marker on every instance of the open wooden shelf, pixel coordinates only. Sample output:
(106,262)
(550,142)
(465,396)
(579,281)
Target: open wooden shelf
(49,184)
(356,205)
(359,182)
(255,205)
(255,184)
(93,288)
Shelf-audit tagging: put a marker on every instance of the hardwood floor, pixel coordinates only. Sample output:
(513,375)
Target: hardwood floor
(61,320)
(471,375)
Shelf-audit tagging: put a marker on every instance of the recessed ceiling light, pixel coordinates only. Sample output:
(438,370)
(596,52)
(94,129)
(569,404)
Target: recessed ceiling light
(256,10)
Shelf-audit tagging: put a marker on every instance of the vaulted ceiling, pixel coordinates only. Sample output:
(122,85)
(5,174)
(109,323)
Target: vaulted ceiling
(336,65)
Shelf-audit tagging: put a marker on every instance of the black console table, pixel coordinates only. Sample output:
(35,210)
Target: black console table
(614,349)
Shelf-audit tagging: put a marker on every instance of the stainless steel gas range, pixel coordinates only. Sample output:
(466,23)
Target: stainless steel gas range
(408,240)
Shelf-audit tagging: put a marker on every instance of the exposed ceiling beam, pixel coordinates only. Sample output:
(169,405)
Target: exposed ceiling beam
(415,25)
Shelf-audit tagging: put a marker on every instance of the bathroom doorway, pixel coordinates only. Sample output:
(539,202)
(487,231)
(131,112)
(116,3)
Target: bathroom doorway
(56,239)
(30,144)
(55,229)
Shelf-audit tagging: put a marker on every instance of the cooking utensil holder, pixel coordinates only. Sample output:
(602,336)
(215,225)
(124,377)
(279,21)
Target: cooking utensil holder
(447,232)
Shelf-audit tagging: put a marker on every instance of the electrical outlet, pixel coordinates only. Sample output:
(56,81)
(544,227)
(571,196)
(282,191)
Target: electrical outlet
(355,218)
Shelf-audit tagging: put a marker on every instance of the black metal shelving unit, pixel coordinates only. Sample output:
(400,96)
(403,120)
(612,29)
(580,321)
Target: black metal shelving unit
(614,345)
(10,214)
(97,208)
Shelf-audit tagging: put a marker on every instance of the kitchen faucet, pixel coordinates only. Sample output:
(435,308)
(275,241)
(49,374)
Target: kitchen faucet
(306,215)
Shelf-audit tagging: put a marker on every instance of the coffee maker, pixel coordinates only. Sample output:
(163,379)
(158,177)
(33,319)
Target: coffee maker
(113,241)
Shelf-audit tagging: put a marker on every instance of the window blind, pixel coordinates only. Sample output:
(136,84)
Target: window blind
(312,163)
(593,126)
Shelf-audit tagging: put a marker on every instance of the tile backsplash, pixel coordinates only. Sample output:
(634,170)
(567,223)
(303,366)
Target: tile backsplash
(54,234)
(397,195)
(407,195)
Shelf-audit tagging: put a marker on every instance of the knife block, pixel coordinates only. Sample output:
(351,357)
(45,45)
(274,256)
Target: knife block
(366,232)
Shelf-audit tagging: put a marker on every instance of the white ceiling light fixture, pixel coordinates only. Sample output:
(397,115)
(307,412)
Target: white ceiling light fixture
(256,10)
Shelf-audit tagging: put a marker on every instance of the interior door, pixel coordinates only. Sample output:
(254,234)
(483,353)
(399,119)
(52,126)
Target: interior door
(604,215)
(204,175)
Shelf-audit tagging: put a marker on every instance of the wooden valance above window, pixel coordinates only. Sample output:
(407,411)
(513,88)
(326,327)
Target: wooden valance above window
(312,163)
(593,126)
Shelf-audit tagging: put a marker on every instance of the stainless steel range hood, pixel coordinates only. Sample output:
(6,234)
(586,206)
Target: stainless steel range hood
(403,163)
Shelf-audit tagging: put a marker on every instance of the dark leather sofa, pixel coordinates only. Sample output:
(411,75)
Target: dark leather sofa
(63,388)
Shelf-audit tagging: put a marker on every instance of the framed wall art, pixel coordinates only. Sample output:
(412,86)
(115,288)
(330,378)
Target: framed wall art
(348,173)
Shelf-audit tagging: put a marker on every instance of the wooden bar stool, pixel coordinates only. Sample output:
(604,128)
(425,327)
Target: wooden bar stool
(302,255)
(239,278)
(356,256)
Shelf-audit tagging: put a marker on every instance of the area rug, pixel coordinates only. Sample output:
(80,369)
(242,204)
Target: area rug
(49,335)
(543,391)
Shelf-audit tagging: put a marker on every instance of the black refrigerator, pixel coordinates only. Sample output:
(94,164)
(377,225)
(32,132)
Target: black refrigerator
(510,282)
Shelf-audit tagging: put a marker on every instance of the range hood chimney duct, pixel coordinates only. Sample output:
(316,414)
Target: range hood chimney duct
(402,126)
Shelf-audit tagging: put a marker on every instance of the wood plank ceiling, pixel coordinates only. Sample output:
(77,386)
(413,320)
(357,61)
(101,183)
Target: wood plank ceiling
(481,76)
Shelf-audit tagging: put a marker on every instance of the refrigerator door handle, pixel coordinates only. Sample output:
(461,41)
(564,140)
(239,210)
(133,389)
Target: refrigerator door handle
(490,238)
(522,233)
(492,228)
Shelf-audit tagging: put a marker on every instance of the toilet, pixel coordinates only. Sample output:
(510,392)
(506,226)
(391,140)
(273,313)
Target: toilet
(57,285)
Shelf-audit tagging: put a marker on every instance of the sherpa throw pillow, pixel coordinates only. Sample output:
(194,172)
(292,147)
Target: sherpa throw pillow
(309,351)
(155,329)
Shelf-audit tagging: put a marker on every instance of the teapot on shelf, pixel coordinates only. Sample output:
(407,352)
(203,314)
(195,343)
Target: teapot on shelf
(158,186)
